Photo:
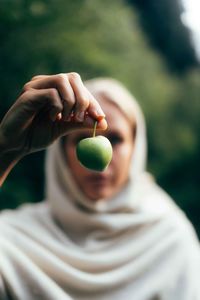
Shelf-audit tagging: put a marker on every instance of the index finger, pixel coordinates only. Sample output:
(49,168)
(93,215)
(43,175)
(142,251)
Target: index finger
(94,109)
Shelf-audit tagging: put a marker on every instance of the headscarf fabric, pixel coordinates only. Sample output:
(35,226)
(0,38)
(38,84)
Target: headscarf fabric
(138,245)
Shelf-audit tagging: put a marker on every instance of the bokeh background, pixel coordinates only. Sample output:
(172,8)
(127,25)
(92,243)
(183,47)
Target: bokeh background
(145,44)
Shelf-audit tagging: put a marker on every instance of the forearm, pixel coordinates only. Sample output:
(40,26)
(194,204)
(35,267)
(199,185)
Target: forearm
(7,162)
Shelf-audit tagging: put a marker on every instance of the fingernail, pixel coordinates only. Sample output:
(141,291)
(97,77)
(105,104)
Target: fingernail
(100,114)
(99,118)
(59,117)
(80,116)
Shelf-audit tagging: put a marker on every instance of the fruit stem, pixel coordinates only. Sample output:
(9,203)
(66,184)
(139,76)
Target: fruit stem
(94,130)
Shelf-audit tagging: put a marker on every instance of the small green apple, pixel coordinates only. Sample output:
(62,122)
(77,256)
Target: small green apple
(94,153)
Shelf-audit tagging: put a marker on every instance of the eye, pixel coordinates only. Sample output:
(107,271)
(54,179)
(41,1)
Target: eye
(115,139)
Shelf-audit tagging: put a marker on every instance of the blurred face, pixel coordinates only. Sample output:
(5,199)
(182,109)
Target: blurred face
(97,185)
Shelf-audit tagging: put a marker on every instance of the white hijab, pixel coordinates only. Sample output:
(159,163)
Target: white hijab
(138,245)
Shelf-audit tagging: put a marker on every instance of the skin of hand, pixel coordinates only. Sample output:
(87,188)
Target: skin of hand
(48,107)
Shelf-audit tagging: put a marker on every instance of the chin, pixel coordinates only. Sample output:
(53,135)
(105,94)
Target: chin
(97,195)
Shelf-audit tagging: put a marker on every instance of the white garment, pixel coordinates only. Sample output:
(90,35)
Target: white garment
(136,246)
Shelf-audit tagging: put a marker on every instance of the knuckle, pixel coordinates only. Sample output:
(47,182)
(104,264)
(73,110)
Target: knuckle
(26,87)
(26,95)
(52,93)
(70,102)
(74,76)
(83,102)
(54,98)
(61,78)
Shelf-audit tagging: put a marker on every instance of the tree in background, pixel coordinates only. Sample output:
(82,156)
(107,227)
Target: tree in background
(161,21)
(104,38)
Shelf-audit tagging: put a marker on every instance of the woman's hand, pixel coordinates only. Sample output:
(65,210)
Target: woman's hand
(48,107)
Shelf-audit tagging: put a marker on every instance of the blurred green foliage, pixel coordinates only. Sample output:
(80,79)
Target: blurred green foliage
(161,20)
(103,38)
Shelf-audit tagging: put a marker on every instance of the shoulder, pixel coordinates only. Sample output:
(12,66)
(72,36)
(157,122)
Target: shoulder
(25,215)
(187,240)
(161,204)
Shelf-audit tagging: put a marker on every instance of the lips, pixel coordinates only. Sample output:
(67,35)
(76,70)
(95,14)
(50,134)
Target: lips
(98,179)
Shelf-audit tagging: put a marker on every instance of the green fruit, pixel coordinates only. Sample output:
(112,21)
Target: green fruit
(94,153)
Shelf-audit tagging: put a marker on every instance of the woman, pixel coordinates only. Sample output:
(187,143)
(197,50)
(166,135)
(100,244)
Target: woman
(111,235)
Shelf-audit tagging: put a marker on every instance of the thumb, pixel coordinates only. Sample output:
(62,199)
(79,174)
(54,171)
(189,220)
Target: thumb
(65,128)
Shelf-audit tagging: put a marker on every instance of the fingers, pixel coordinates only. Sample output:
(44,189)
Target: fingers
(61,84)
(33,101)
(75,97)
(82,99)
(69,101)
(94,109)
(85,100)
(64,128)
(39,77)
